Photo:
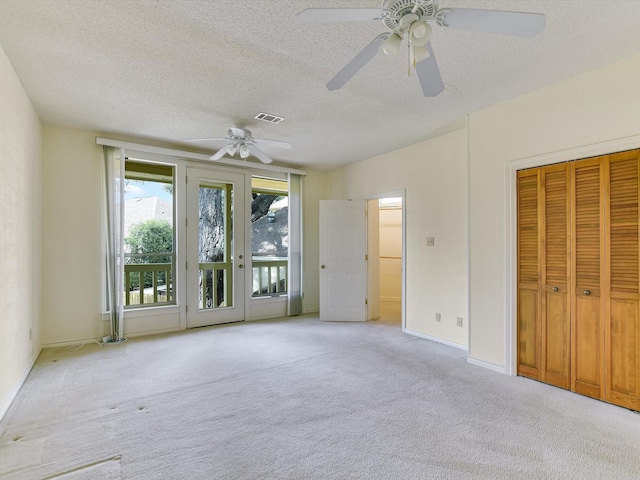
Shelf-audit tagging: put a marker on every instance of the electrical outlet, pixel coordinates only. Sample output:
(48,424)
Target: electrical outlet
(438,317)
(459,321)
(431,241)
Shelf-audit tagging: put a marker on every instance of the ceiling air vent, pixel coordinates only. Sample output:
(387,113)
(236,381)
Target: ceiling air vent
(267,117)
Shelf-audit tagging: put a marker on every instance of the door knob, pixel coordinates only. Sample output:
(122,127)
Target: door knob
(587,292)
(323,267)
(240,266)
(555,289)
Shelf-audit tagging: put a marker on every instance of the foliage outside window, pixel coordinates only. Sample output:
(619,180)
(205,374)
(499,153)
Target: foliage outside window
(149,234)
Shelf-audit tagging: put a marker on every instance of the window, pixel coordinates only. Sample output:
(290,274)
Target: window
(149,238)
(269,236)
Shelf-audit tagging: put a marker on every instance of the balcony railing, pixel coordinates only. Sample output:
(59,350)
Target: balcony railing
(136,275)
(215,289)
(269,279)
(269,276)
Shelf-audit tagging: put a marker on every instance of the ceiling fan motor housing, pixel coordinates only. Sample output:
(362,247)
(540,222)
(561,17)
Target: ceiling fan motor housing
(394,10)
(239,135)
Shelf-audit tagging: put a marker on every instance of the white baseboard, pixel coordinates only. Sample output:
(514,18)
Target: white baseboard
(436,339)
(71,343)
(11,396)
(490,366)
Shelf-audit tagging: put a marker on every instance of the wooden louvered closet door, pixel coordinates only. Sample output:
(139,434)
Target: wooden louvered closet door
(555,275)
(622,346)
(587,304)
(579,276)
(529,336)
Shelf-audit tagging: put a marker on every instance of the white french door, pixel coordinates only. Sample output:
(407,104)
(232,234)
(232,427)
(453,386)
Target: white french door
(215,247)
(343,269)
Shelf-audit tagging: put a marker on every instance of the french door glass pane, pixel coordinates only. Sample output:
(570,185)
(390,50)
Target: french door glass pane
(215,236)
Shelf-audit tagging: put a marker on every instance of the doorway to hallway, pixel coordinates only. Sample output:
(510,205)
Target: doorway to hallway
(385,230)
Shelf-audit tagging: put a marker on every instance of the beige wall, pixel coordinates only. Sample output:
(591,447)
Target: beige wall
(434,176)
(314,189)
(20,180)
(579,113)
(71,231)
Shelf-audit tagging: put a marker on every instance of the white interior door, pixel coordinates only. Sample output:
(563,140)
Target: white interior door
(215,247)
(343,266)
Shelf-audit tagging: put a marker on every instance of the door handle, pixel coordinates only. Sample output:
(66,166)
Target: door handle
(241,266)
(323,267)
(587,292)
(555,289)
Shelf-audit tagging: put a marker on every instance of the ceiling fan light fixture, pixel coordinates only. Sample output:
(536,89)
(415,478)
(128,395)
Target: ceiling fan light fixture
(231,149)
(244,151)
(419,33)
(391,46)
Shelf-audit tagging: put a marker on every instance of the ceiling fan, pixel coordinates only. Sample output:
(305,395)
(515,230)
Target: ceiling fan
(240,140)
(413,19)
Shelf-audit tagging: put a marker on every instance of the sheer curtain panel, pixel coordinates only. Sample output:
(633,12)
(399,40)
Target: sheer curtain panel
(114,159)
(294,306)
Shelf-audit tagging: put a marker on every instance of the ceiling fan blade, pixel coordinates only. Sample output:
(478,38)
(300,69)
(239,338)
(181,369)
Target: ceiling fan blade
(272,143)
(219,154)
(517,24)
(429,75)
(324,15)
(259,154)
(359,61)
(204,139)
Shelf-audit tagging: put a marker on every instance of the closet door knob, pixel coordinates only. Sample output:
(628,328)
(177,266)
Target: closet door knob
(587,292)
(555,289)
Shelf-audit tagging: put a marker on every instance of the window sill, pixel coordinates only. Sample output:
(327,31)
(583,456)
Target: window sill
(147,311)
(273,299)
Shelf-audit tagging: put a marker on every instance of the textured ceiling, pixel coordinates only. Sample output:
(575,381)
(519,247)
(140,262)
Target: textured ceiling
(167,70)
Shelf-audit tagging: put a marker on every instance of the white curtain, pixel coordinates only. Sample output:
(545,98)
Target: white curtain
(294,306)
(114,159)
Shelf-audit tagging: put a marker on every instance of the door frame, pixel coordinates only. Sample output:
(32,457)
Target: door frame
(511,235)
(403,296)
(195,172)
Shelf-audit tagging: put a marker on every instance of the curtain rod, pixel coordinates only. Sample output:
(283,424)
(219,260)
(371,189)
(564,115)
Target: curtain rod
(108,142)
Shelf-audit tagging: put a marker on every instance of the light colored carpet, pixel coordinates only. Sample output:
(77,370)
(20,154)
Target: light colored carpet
(302,399)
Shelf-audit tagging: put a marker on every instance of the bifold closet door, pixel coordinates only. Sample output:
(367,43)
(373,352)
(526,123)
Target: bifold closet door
(543,274)
(622,345)
(529,328)
(587,302)
(555,261)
